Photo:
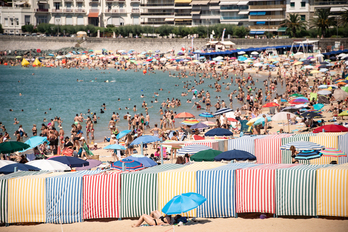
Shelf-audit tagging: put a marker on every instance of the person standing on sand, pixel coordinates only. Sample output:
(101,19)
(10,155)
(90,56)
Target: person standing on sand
(266,123)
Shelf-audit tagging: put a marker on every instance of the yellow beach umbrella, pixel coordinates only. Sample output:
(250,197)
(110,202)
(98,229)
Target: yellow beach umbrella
(25,62)
(298,63)
(314,71)
(37,62)
(84,57)
(98,52)
(251,121)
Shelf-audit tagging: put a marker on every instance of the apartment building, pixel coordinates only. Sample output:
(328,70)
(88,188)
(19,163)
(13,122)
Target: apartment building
(260,15)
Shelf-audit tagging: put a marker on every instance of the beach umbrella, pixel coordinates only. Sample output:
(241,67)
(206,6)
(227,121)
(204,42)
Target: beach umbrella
(302,146)
(314,71)
(70,161)
(130,165)
(206,115)
(12,146)
(299,101)
(298,63)
(324,92)
(183,203)
(261,120)
(6,162)
(308,155)
(223,111)
(199,126)
(241,53)
(184,115)
(206,155)
(145,161)
(270,104)
(332,152)
(323,70)
(49,165)
(93,163)
(283,116)
(308,67)
(340,95)
(123,133)
(190,122)
(311,114)
(344,113)
(258,64)
(296,95)
(318,106)
(145,139)
(283,100)
(323,86)
(254,53)
(35,141)
(114,147)
(219,132)
(319,55)
(19,167)
(209,123)
(330,128)
(235,155)
(192,149)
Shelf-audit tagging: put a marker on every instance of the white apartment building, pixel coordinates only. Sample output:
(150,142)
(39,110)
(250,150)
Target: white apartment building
(300,7)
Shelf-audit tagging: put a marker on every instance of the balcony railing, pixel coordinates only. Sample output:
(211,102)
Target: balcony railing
(183,24)
(160,13)
(68,0)
(93,10)
(80,0)
(188,15)
(42,10)
(233,17)
(135,11)
(57,0)
(158,23)
(264,27)
(94,1)
(57,11)
(68,10)
(265,17)
(116,11)
(135,0)
(158,5)
(80,11)
(259,7)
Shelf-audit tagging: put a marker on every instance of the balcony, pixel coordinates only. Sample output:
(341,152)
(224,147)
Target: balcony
(42,10)
(265,7)
(68,0)
(135,11)
(57,10)
(80,0)
(159,13)
(264,27)
(94,1)
(116,11)
(181,15)
(233,17)
(68,10)
(158,6)
(119,0)
(80,11)
(157,23)
(57,0)
(135,1)
(265,17)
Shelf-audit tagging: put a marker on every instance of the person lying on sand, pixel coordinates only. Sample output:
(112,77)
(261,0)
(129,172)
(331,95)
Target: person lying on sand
(154,219)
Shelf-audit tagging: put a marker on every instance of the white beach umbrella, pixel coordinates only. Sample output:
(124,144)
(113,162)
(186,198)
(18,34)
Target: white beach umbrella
(49,165)
(258,64)
(342,54)
(241,53)
(282,116)
(6,162)
(308,67)
(299,53)
(319,55)
(255,53)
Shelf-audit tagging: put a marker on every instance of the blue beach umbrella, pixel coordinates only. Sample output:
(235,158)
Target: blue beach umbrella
(302,146)
(35,141)
(130,165)
(123,133)
(219,132)
(147,162)
(145,139)
(261,120)
(318,106)
(307,155)
(70,161)
(235,155)
(114,147)
(199,126)
(283,100)
(20,167)
(206,115)
(183,203)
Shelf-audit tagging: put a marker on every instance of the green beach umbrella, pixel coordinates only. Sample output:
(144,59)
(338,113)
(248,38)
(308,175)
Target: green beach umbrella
(206,155)
(12,146)
(296,95)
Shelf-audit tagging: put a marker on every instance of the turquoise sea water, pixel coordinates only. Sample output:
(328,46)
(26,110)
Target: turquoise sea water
(59,90)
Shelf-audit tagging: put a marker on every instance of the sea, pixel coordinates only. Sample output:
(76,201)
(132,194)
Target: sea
(35,94)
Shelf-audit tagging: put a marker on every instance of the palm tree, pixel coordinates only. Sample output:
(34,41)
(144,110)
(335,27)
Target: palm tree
(293,24)
(344,18)
(322,20)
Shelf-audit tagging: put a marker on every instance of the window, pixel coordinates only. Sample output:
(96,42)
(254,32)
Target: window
(79,5)
(57,5)
(136,20)
(303,17)
(27,19)
(41,19)
(303,4)
(6,22)
(292,4)
(11,22)
(121,5)
(17,21)
(109,6)
(80,20)
(69,20)
(68,5)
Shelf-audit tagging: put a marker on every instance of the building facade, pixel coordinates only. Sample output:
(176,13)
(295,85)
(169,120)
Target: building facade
(260,15)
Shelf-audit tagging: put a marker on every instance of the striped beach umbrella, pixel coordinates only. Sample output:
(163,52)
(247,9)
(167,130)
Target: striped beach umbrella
(302,146)
(209,123)
(223,111)
(190,122)
(184,115)
(206,115)
(332,152)
(308,155)
(192,149)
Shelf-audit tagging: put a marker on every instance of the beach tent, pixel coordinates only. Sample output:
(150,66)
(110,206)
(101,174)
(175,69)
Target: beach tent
(267,149)
(178,181)
(209,143)
(139,190)
(37,62)
(296,193)
(64,197)
(286,154)
(218,186)
(4,191)
(326,140)
(343,146)
(101,195)
(245,143)
(332,191)
(25,62)
(27,198)
(255,188)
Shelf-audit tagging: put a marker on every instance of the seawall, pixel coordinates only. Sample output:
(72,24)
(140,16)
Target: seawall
(165,44)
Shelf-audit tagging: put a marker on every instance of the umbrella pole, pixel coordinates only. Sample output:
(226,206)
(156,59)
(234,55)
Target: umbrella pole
(141,148)
(161,154)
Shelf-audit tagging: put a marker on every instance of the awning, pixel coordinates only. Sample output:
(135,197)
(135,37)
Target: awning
(181,20)
(227,43)
(214,1)
(256,32)
(20,3)
(44,1)
(261,22)
(93,15)
(243,3)
(195,12)
(282,29)
(169,19)
(183,1)
(199,2)
(228,3)
(337,9)
(258,13)
(243,12)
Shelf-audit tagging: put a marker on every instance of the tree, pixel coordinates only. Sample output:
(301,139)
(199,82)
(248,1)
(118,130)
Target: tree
(241,31)
(1,30)
(28,28)
(344,18)
(294,24)
(322,20)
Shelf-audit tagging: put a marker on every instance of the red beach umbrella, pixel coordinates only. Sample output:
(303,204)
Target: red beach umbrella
(331,128)
(184,115)
(270,104)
